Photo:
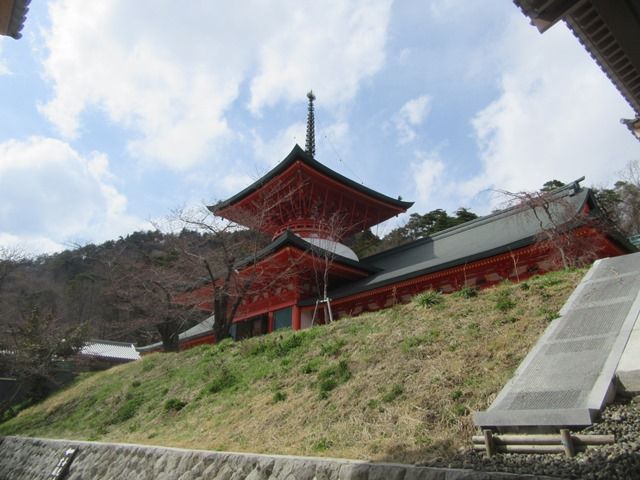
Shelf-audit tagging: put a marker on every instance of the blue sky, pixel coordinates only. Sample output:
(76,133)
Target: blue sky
(113,113)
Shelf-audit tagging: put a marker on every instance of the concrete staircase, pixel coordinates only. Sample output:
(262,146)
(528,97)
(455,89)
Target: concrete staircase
(570,374)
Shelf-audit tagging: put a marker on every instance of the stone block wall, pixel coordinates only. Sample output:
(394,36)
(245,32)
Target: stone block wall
(34,459)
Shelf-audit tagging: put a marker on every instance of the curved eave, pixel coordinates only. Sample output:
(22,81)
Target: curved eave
(298,154)
(13,14)
(610,32)
(290,239)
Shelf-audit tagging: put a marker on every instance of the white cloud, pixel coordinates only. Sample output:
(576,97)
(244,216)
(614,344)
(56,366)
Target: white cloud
(235,182)
(272,151)
(557,116)
(50,195)
(170,73)
(31,245)
(333,139)
(410,116)
(444,9)
(428,172)
(331,45)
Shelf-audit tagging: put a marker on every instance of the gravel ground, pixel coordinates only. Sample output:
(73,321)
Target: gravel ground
(620,460)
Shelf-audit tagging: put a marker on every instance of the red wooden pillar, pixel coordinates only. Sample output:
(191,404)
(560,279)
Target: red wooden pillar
(296,319)
(270,322)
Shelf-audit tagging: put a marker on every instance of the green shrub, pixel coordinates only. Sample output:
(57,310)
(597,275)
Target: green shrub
(223,345)
(289,343)
(260,346)
(473,329)
(312,366)
(332,348)
(506,320)
(410,343)
(8,414)
(322,445)
(325,386)
(329,378)
(174,405)
(127,410)
(223,378)
(279,346)
(279,396)
(460,410)
(394,393)
(549,314)
(504,302)
(430,298)
(148,364)
(550,279)
(467,292)
(456,395)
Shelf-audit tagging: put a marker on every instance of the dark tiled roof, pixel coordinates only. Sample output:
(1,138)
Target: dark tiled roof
(16,12)
(289,238)
(481,238)
(200,330)
(299,154)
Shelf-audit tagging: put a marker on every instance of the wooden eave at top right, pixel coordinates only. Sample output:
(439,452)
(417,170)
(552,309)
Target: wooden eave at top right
(609,30)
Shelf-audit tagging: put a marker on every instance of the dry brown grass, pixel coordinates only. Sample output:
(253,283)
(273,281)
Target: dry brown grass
(416,374)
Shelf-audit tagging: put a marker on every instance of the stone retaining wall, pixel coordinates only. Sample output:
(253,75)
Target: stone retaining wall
(34,459)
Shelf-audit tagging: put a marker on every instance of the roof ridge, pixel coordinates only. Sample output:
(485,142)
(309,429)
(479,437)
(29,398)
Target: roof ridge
(108,342)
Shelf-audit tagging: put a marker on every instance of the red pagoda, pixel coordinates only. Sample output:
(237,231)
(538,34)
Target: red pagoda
(308,210)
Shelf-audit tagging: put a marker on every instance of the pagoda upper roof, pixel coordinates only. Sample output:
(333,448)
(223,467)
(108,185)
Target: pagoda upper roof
(297,153)
(310,190)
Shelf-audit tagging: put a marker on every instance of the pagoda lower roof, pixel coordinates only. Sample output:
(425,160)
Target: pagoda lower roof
(289,239)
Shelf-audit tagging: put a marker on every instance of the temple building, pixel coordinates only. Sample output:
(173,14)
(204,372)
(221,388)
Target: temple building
(309,209)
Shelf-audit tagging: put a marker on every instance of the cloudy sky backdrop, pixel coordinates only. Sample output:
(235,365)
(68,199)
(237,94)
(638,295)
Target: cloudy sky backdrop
(114,112)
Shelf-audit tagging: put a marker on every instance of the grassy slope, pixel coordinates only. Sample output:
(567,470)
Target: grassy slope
(392,385)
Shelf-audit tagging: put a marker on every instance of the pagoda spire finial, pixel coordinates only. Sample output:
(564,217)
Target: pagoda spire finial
(310,146)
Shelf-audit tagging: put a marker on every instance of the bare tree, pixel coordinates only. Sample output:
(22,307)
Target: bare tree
(334,227)
(233,263)
(626,202)
(557,219)
(144,282)
(32,350)
(10,260)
